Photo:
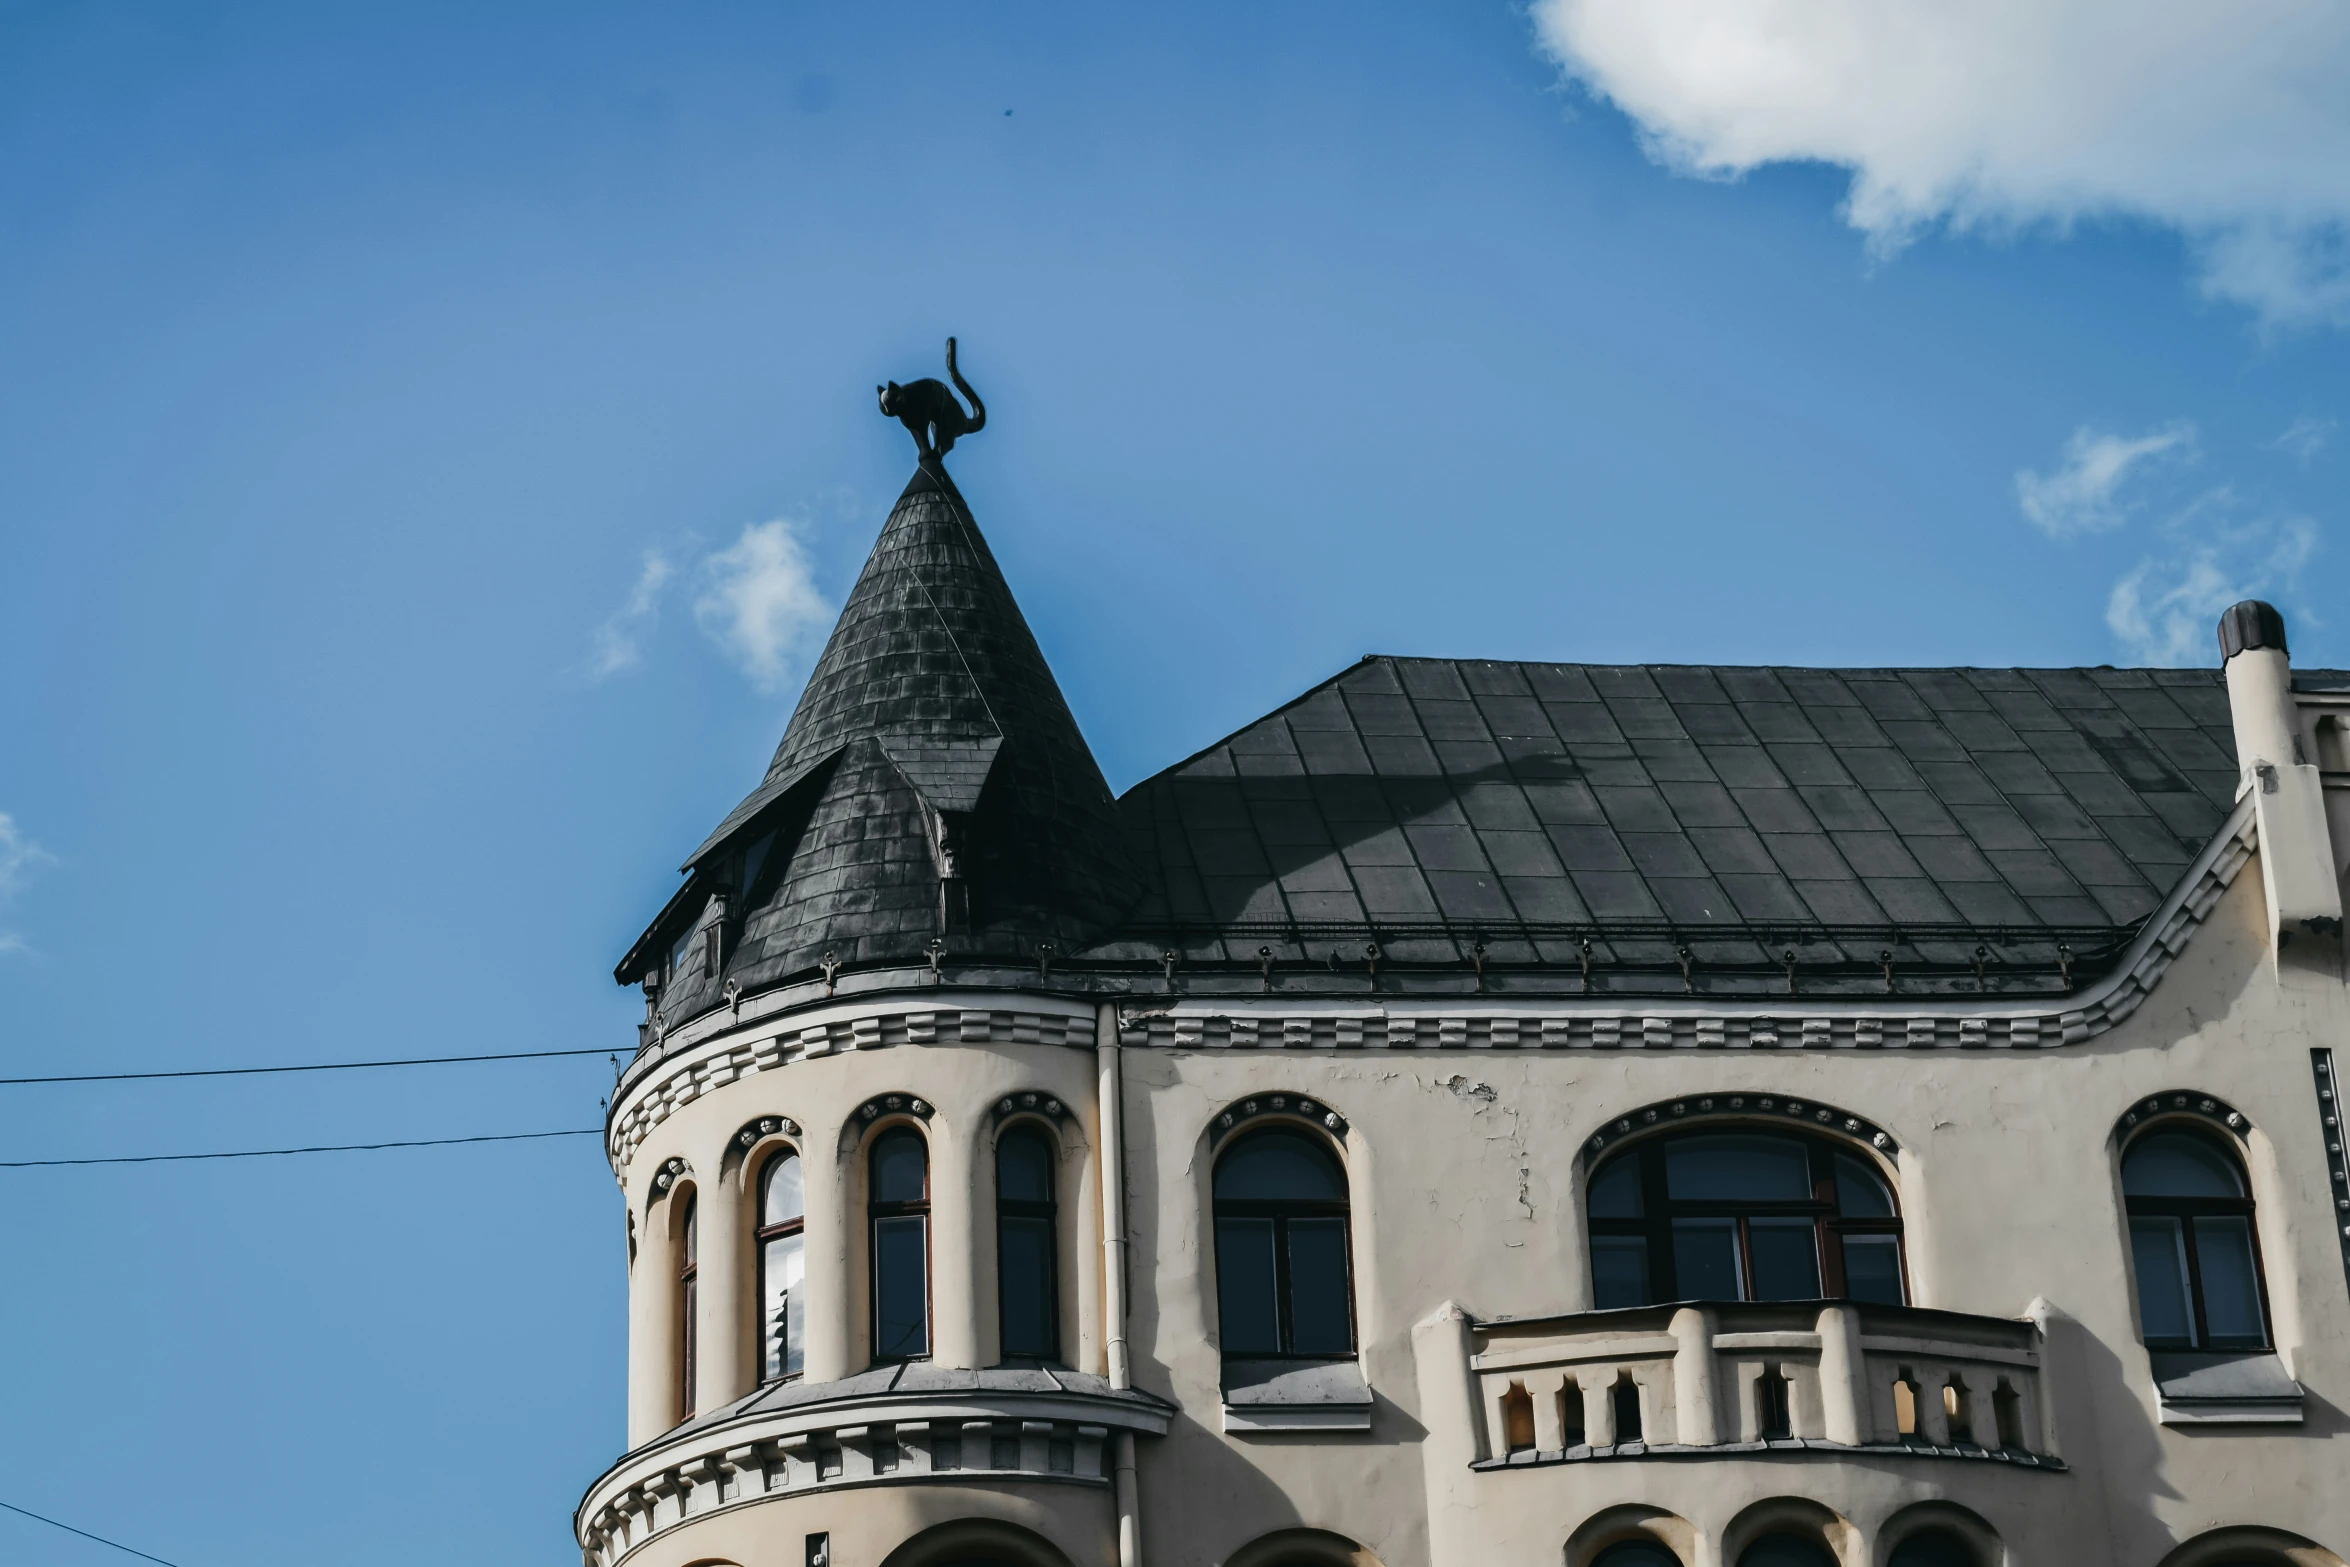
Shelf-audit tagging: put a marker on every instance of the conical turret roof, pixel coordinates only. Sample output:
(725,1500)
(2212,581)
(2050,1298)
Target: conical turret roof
(931,784)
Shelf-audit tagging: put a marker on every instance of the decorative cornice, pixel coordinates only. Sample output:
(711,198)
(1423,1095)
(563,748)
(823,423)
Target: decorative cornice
(1030,1102)
(2182,1102)
(937,1438)
(1255,1107)
(716,1049)
(1810,1113)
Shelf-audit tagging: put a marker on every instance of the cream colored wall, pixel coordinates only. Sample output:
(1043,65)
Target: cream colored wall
(1465,1182)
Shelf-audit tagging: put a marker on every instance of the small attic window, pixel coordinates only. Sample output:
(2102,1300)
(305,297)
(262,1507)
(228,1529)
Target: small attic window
(679,952)
(755,861)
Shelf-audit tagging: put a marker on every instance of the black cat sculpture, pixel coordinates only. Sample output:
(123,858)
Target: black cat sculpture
(930,411)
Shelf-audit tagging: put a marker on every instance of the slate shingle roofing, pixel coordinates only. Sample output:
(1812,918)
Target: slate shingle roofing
(1733,811)
(1643,828)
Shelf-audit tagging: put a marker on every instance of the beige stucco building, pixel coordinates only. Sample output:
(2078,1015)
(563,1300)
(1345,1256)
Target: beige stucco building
(1489,1114)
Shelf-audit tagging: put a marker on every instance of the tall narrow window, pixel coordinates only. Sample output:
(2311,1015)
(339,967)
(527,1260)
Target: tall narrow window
(2191,1240)
(689,1306)
(1282,1285)
(783,1261)
(1025,1283)
(1742,1216)
(899,1207)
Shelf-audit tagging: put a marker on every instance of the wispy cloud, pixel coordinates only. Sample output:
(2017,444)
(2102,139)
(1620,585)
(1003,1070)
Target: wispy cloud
(756,600)
(2304,438)
(760,603)
(21,859)
(2227,124)
(619,642)
(2087,491)
(2219,551)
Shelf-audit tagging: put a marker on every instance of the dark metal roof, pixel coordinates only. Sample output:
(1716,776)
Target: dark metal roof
(1696,822)
(1434,824)
(931,732)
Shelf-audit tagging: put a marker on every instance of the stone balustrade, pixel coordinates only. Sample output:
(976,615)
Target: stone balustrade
(1693,1379)
(907,1424)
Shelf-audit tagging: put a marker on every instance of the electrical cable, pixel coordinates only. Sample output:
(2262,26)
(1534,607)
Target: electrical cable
(315,1066)
(275,1153)
(85,1534)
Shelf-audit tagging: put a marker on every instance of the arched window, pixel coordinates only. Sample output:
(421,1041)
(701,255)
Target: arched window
(1282,1286)
(1025,1285)
(1742,1216)
(899,1207)
(1636,1553)
(1786,1550)
(1933,1548)
(689,1305)
(783,1263)
(2191,1240)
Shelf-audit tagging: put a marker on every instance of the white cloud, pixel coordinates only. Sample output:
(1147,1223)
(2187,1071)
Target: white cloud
(2304,438)
(21,860)
(2228,123)
(619,642)
(2165,610)
(760,603)
(2085,492)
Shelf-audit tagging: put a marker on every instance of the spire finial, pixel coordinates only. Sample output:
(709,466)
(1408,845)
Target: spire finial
(929,411)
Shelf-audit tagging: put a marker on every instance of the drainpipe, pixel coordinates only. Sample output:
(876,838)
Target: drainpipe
(2296,849)
(1110,1107)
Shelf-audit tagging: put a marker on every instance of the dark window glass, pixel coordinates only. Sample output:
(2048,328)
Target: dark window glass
(783,1306)
(2192,1247)
(901,1167)
(1785,1550)
(1247,1287)
(1705,1259)
(1615,1194)
(1283,1285)
(1737,1168)
(1762,1215)
(899,1210)
(1860,1191)
(2179,1164)
(1320,1319)
(1619,1270)
(1872,1269)
(1786,1256)
(689,1304)
(1933,1548)
(1636,1553)
(1025,1278)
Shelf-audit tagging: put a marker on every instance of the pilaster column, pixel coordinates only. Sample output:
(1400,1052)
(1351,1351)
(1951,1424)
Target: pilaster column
(724,1247)
(831,1289)
(954,1245)
(655,1349)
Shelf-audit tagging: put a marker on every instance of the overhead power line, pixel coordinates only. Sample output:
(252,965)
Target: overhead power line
(310,1066)
(116,1545)
(279,1153)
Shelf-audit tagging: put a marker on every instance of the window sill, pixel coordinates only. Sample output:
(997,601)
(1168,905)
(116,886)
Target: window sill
(1290,1395)
(2195,1388)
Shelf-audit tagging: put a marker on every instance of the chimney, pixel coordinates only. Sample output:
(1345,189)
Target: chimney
(2296,850)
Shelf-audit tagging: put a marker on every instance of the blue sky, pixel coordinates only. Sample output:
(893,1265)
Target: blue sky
(435,437)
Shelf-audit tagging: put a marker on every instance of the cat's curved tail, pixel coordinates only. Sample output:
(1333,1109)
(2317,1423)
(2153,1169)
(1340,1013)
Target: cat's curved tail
(978,408)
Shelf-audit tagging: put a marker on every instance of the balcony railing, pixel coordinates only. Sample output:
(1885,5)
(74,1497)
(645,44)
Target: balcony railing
(908,1424)
(1690,1380)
